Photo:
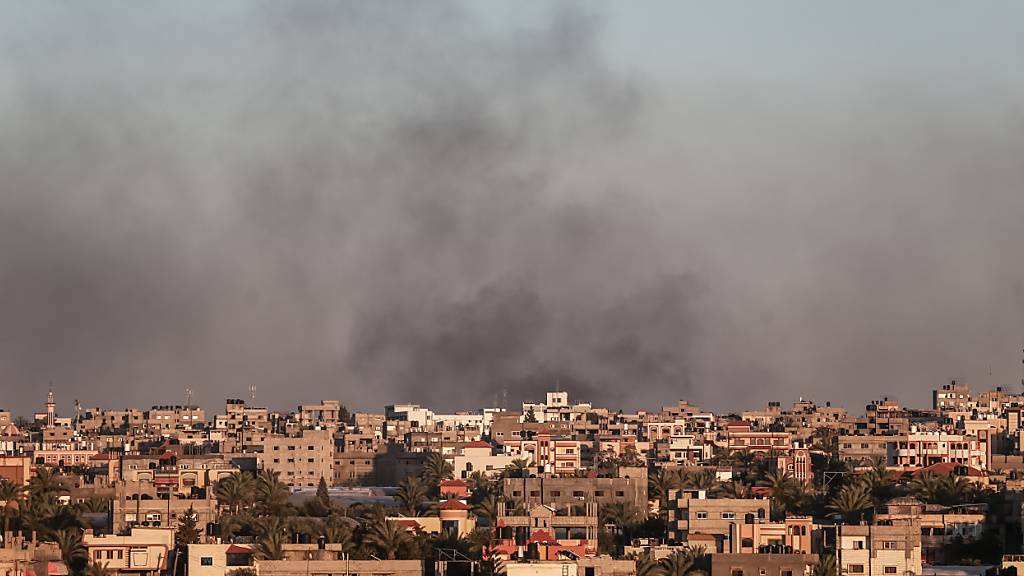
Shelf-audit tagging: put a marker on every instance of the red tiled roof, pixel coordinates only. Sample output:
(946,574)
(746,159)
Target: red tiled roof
(455,482)
(477,444)
(541,536)
(452,505)
(102,456)
(949,468)
(236,549)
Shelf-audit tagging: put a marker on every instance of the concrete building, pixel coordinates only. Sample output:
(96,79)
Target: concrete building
(953,396)
(762,564)
(692,512)
(300,460)
(879,550)
(863,450)
(629,487)
(146,504)
(552,454)
(336,567)
(479,456)
(217,559)
(142,551)
(923,449)
(327,414)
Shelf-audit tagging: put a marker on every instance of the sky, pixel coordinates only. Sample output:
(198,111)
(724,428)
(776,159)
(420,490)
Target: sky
(463,204)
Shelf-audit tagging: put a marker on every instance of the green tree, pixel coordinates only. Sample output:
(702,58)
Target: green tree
(531,416)
(851,502)
(436,469)
(72,550)
(11,495)
(322,495)
(826,565)
(411,493)
(661,483)
(188,530)
(270,493)
(386,538)
(235,491)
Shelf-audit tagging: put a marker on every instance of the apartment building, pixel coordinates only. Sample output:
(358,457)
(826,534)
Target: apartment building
(923,449)
(879,550)
(629,487)
(147,504)
(796,534)
(554,531)
(353,468)
(326,414)
(552,454)
(163,418)
(692,512)
(954,396)
(300,460)
(863,450)
(479,456)
(740,437)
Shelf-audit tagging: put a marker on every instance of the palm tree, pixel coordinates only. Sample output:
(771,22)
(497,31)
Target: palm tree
(94,505)
(271,494)
(927,487)
(234,491)
(851,502)
(72,550)
(46,482)
(661,483)
(411,494)
(733,489)
(386,538)
(677,564)
(785,489)
(516,468)
(826,565)
(703,479)
(647,566)
(954,489)
(621,514)
(436,469)
(488,508)
(877,479)
(11,495)
(270,546)
(188,530)
(335,531)
(479,484)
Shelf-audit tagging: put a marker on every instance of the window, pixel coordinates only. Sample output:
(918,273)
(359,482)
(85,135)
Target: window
(888,545)
(762,572)
(728,515)
(736,572)
(890,569)
(855,569)
(577,493)
(858,544)
(702,515)
(598,493)
(556,493)
(206,561)
(787,573)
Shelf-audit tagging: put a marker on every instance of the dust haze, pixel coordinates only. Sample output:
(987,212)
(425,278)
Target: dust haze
(390,202)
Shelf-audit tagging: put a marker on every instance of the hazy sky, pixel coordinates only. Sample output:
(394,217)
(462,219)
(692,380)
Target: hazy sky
(450,203)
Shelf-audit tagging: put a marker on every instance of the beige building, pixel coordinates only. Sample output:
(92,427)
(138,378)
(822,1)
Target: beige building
(762,564)
(300,460)
(630,487)
(875,550)
(142,551)
(217,559)
(691,512)
(337,567)
(146,505)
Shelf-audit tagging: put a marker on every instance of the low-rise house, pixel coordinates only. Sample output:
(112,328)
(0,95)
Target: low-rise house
(143,551)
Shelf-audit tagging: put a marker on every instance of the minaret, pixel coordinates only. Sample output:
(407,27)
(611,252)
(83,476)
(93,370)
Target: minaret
(50,412)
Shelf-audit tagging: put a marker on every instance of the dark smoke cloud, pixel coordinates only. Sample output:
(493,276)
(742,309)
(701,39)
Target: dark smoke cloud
(381,202)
